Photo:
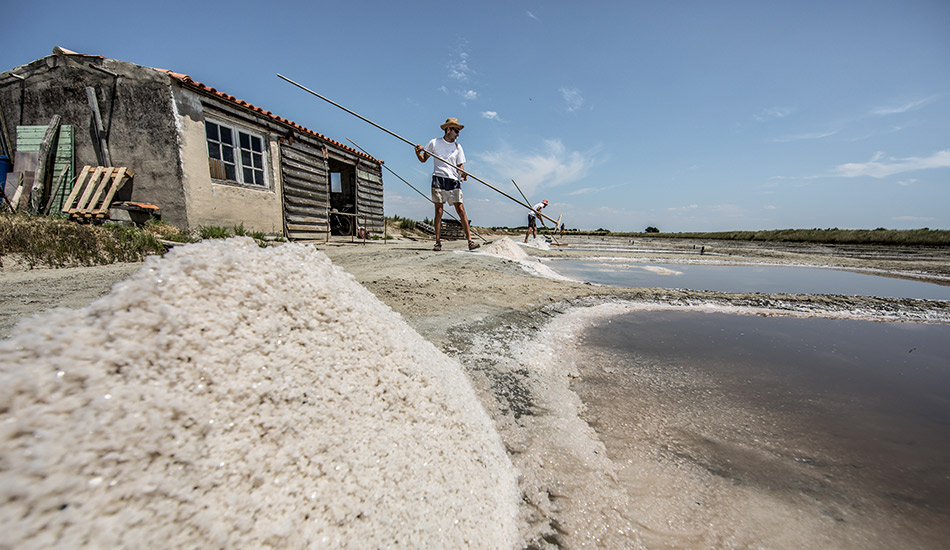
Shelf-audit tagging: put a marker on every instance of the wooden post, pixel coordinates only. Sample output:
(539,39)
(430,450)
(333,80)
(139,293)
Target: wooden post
(3,137)
(102,148)
(43,162)
(326,170)
(52,194)
(15,202)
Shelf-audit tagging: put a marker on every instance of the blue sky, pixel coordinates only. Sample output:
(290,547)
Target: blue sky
(684,115)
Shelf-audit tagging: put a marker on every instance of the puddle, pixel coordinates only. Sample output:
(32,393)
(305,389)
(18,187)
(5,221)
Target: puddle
(747,278)
(746,431)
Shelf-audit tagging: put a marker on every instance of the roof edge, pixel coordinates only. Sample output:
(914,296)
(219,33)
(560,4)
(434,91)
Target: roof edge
(192,83)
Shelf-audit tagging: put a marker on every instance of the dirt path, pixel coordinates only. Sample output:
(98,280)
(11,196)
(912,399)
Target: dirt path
(436,291)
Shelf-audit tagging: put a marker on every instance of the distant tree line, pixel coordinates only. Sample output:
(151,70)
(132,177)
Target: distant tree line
(880,236)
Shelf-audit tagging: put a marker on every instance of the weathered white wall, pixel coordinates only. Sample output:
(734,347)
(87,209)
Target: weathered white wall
(210,203)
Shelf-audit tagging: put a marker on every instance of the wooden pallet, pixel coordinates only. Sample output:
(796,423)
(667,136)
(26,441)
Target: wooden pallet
(94,190)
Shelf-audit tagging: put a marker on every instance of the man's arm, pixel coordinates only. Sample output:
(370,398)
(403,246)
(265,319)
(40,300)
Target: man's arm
(421,153)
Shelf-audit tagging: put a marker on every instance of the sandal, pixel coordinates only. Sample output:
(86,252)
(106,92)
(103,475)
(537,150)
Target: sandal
(472,245)
(438,246)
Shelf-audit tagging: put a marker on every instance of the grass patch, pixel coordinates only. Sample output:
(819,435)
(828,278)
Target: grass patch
(56,242)
(215,232)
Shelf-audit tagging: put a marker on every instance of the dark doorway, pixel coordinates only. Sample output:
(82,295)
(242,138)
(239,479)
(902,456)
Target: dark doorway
(342,198)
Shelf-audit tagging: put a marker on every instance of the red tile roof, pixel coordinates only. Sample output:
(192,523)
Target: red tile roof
(190,82)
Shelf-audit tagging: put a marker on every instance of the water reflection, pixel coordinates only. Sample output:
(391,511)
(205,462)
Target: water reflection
(840,430)
(746,278)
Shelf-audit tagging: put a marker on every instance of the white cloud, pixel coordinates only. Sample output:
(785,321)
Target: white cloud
(798,137)
(903,108)
(490,115)
(531,15)
(469,95)
(458,67)
(908,181)
(683,208)
(554,165)
(772,112)
(879,167)
(573,98)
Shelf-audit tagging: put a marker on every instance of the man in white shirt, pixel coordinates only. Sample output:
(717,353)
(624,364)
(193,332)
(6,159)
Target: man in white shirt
(447,177)
(533,219)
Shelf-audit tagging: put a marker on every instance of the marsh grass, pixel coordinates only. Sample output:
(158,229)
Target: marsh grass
(57,242)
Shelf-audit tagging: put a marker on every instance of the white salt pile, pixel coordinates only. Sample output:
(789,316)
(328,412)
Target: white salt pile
(537,242)
(229,396)
(506,248)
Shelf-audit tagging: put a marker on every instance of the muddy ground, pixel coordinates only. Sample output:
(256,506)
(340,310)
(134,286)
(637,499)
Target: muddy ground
(437,291)
(473,306)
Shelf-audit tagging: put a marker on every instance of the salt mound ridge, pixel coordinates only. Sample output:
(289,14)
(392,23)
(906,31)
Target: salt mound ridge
(239,397)
(506,248)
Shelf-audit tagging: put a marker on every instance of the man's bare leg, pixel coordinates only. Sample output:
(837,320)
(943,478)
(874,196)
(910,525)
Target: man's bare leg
(438,224)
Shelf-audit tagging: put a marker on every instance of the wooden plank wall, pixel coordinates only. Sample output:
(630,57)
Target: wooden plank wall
(306,190)
(369,181)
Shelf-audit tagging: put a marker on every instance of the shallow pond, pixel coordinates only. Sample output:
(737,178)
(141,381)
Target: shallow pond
(748,278)
(774,431)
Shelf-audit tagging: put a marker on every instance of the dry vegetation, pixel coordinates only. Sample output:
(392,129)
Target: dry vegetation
(56,242)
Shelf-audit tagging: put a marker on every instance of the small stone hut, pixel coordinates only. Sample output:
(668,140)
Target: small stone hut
(203,157)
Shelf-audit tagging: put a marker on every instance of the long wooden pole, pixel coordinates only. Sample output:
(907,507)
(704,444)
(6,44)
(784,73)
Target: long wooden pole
(394,134)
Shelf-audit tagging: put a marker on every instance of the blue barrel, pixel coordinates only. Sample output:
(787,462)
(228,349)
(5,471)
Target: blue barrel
(4,169)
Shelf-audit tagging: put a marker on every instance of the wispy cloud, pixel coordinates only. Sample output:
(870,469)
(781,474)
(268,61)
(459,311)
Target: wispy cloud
(908,181)
(772,113)
(458,67)
(552,166)
(469,95)
(491,115)
(572,98)
(531,15)
(903,107)
(683,208)
(881,167)
(799,137)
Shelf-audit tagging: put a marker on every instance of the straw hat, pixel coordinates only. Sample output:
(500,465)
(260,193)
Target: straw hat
(451,123)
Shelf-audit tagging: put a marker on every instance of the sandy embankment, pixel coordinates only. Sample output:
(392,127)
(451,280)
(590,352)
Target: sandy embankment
(477,307)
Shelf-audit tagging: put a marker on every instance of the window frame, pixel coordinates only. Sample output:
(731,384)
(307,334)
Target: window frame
(239,154)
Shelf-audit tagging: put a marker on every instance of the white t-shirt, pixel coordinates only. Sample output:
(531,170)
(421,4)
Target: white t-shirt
(451,152)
